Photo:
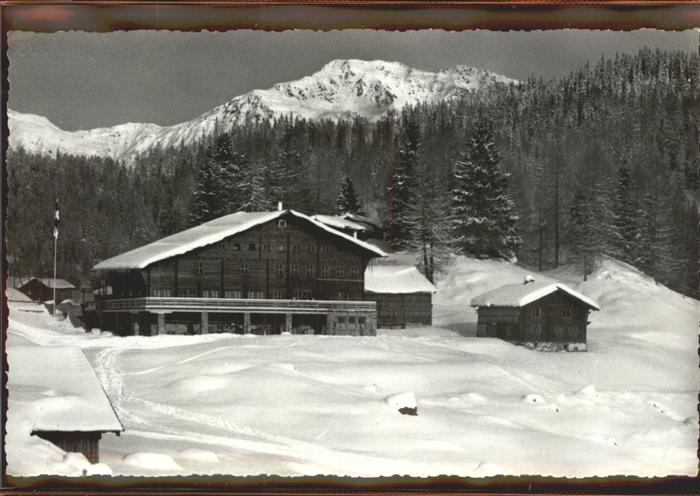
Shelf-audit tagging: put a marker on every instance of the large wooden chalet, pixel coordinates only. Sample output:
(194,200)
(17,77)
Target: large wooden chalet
(541,315)
(262,272)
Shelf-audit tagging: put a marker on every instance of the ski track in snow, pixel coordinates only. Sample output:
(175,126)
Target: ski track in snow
(181,362)
(110,375)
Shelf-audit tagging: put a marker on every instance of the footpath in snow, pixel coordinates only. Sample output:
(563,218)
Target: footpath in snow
(298,405)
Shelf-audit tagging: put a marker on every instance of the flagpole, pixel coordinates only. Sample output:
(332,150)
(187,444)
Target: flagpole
(55,242)
(56,221)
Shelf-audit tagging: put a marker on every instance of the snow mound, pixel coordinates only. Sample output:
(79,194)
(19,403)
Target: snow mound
(535,399)
(73,462)
(588,391)
(198,455)
(289,367)
(200,383)
(152,461)
(474,398)
(405,401)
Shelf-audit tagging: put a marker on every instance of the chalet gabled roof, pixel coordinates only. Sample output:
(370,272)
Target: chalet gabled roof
(362,220)
(519,295)
(68,395)
(212,232)
(395,279)
(49,282)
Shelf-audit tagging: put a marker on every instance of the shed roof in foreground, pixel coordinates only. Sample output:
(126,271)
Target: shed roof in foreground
(69,396)
(519,295)
(209,233)
(395,279)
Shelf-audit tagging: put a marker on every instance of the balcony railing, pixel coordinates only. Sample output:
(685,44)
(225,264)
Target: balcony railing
(180,304)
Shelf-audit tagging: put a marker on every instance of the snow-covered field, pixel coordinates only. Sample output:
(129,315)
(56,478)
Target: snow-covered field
(297,405)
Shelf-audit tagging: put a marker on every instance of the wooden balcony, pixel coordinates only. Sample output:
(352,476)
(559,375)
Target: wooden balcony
(234,305)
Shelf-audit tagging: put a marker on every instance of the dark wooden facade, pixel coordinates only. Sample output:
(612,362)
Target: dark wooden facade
(251,274)
(86,443)
(38,291)
(401,310)
(557,318)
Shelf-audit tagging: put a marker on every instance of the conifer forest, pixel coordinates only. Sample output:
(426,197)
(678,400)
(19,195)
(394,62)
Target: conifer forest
(604,161)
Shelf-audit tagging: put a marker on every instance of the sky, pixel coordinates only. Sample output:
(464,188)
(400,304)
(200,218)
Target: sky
(86,80)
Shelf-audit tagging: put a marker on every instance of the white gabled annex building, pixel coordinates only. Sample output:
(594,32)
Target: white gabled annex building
(403,294)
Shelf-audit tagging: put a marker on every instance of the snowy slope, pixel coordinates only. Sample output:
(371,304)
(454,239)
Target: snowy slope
(298,405)
(341,89)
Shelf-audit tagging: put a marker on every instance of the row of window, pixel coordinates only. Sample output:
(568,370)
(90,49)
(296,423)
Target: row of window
(294,270)
(305,294)
(340,319)
(537,312)
(295,248)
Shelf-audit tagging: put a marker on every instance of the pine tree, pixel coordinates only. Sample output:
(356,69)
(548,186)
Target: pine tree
(584,240)
(210,198)
(348,201)
(207,201)
(253,191)
(401,189)
(655,242)
(219,179)
(292,182)
(430,228)
(624,216)
(483,215)
(234,169)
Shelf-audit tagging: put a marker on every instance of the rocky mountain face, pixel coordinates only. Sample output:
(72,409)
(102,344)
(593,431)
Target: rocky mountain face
(341,89)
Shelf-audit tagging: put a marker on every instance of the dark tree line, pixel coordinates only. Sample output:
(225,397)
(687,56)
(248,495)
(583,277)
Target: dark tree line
(602,161)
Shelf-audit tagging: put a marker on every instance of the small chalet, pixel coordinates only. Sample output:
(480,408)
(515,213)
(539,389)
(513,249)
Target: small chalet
(403,294)
(70,410)
(541,315)
(259,272)
(41,289)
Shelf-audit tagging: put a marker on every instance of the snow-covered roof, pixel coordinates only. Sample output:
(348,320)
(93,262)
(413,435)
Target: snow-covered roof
(361,219)
(209,233)
(338,222)
(519,295)
(49,283)
(16,295)
(395,279)
(69,396)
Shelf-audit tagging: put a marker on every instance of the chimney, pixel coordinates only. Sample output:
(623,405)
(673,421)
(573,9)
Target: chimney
(279,206)
(354,234)
(528,279)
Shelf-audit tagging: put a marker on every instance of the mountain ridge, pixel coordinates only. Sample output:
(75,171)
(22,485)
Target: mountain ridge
(341,89)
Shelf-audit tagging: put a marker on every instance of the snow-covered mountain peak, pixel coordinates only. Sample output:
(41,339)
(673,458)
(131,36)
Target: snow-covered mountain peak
(342,88)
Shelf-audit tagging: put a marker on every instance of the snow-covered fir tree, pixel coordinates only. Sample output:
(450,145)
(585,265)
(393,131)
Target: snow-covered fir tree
(253,191)
(624,217)
(291,179)
(348,201)
(217,184)
(584,239)
(207,200)
(402,188)
(483,214)
(656,254)
(429,227)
